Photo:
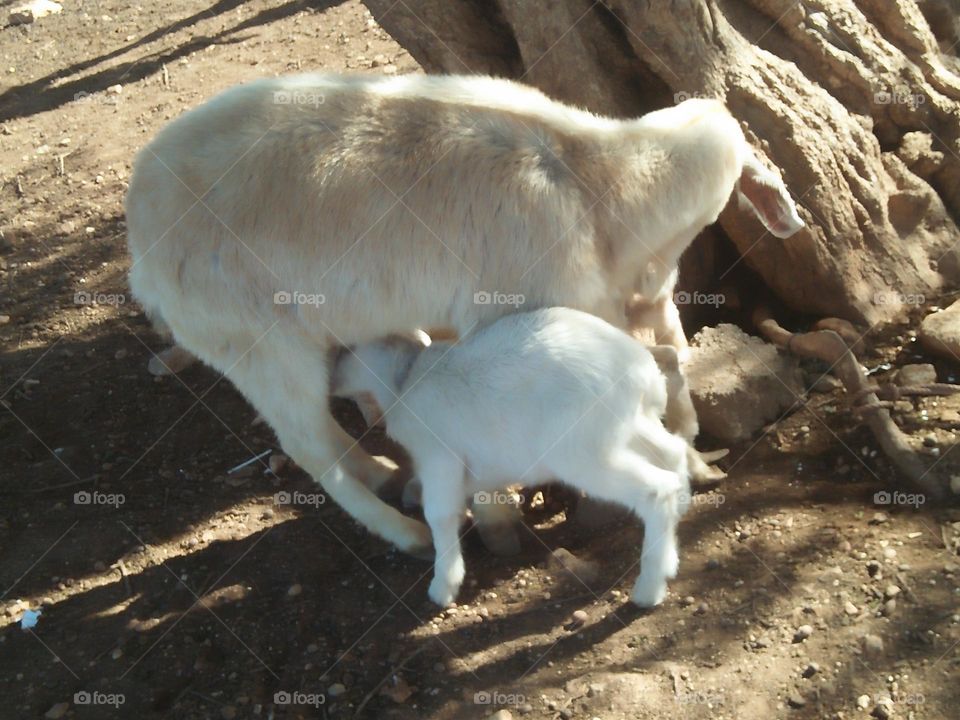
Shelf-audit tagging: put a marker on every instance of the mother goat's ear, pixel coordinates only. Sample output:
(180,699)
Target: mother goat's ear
(764,192)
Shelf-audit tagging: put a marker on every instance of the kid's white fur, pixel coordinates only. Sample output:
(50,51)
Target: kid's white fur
(552,394)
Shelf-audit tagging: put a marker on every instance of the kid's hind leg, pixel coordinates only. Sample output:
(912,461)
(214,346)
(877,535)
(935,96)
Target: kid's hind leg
(653,494)
(285,379)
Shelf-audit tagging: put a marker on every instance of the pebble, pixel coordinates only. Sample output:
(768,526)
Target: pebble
(850,609)
(295,590)
(688,600)
(872,645)
(796,700)
(57,711)
(116,653)
(863,702)
(889,553)
(577,620)
(502,715)
(228,712)
(889,607)
(336,690)
(713,563)
(802,633)
(873,568)
(702,609)
(278,461)
(879,518)
(891,591)
(810,670)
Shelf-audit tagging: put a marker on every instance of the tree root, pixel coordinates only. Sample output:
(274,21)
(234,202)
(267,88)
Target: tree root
(827,345)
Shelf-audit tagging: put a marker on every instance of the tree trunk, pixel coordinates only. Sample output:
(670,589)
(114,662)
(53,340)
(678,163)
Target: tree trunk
(856,101)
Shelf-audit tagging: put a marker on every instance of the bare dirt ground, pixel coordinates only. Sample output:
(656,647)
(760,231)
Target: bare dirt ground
(181,592)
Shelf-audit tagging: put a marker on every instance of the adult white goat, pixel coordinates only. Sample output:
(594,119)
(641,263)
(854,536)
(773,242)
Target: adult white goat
(291,214)
(554,394)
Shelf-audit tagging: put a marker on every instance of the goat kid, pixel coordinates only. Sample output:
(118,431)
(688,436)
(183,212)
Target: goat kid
(551,394)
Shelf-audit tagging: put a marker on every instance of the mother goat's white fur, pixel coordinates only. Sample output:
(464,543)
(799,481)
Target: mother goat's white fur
(291,214)
(555,394)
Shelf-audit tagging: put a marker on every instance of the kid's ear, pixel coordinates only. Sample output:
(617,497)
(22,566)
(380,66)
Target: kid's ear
(764,192)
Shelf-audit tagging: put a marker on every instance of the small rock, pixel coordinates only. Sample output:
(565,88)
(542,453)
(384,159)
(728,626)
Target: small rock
(713,563)
(912,375)
(278,461)
(116,653)
(294,590)
(802,633)
(850,609)
(57,711)
(874,570)
(940,332)
(872,645)
(810,670)
(336,690)
(563,562)
(120,354)
(891,591)
(883,709)
(702,609)
(115,89)
(228,712)
(879,518)
(577,620)
(863,702)
(889,607)
(796,700)
(688,600)
(889,553)
(31,12)
(502,715)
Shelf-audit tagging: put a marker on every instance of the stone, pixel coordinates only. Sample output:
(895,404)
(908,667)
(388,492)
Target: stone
(940,332)
(336,690)
(872,645)
(919,374)
(502,715)
(33,11)
(57,711)
(738,382)
(565,564)
(810,670)
(802,633)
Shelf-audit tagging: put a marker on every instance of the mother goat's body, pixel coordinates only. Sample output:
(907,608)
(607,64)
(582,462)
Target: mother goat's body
(380,206)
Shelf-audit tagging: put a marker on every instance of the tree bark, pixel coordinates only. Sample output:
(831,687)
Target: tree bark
(856,101)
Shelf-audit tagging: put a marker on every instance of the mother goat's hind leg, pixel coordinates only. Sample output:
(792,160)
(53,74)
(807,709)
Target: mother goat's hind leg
(286,381)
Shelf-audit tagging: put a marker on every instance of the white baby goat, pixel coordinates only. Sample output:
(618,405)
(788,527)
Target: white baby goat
(551,394)
(292,214)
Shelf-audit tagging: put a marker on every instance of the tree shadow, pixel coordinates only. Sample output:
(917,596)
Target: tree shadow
(49,92)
